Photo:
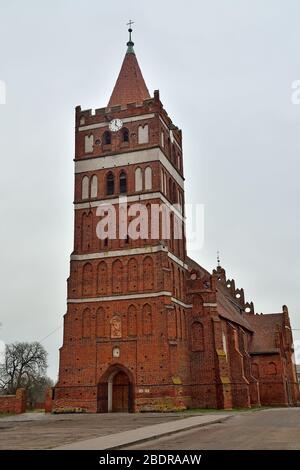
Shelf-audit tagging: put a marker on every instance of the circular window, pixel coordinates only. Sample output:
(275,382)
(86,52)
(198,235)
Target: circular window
(116,352)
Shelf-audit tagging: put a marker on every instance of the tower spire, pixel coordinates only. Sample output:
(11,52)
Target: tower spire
(130,86)
(218,259)
(130,43)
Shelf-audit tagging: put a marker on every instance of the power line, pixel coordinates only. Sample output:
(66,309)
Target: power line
(52,332)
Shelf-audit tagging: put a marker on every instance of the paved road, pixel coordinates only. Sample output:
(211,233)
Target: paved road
(258,430)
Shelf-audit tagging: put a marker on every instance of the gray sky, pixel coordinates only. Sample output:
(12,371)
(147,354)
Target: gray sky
(224,70)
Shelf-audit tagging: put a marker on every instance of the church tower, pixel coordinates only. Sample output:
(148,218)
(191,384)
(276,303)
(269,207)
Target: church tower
(125,336)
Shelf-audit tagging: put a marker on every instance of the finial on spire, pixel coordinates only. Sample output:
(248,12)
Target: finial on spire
(130,44)
(218,259)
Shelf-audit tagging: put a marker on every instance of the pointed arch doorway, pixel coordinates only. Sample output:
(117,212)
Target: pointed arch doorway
(115,392)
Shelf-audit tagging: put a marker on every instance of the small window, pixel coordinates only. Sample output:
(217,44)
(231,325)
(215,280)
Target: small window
(125,133)
(123,182)
(106,138)
(110,184)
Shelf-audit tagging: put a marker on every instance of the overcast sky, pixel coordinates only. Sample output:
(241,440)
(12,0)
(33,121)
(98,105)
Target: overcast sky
(224,70)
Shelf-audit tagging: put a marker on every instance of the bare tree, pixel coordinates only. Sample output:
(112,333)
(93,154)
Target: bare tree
(24,364)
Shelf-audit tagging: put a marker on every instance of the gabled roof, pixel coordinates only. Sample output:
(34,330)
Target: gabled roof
(130,86)
(265,328)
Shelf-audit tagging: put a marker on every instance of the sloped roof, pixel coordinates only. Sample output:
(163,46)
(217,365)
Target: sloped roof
(130,86)
(229,310)
(264,327)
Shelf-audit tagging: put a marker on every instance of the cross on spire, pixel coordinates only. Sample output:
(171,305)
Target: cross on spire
(218,258)
(130,44)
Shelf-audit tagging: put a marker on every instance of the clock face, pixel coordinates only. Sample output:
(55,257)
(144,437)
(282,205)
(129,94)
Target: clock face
(115,125)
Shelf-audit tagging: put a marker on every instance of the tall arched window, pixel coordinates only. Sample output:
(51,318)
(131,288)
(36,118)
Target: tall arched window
(102,278)
(174,193)
(94,186)
(132,270)
(117,275)
(87,279)
(125,135)
(86,323)
(100,322)
(85,187)
(197,336)
(110,184)
(87,231)
(148,273)
(148,178)
(131,325)
(123,182)
(147,319)
(106,139)
(138,179)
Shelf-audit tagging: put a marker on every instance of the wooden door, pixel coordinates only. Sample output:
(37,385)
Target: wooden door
(120,392)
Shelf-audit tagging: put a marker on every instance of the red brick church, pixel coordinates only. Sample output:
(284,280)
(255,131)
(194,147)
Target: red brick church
(147,328)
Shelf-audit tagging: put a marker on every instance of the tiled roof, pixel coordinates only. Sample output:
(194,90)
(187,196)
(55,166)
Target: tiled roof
(130,86)
(229,310)
(264,327)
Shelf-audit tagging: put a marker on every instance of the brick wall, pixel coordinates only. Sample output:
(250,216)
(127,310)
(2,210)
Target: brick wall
(13,403)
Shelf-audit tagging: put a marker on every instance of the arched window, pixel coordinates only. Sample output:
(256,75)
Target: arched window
(148,178)
(138,179)
(89,143)
(106,138)
(86,323)
(123,182)
(94,186)
(110,184)
(131,325)
(148,273)
(100,322)
(117,275)
(143,134)
(85,187)
(87,279)
(125,135)
(197,336)
(174,193)
(132,270)
(86,231)
(102,278)
(147,319)
(174,156)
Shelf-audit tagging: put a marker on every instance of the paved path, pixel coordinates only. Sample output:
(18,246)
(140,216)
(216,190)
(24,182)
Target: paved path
(273,429)
(45,431)
(118,440)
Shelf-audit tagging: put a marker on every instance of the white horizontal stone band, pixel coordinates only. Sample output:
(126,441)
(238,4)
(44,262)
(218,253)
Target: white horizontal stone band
(105,124)
(117,253)
(129,252)
(120,297)
(129,158)
(130,199)
(209,305)
(179,302)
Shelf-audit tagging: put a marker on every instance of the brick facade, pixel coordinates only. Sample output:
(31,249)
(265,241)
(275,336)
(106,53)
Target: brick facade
(147,328)
(13,403)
